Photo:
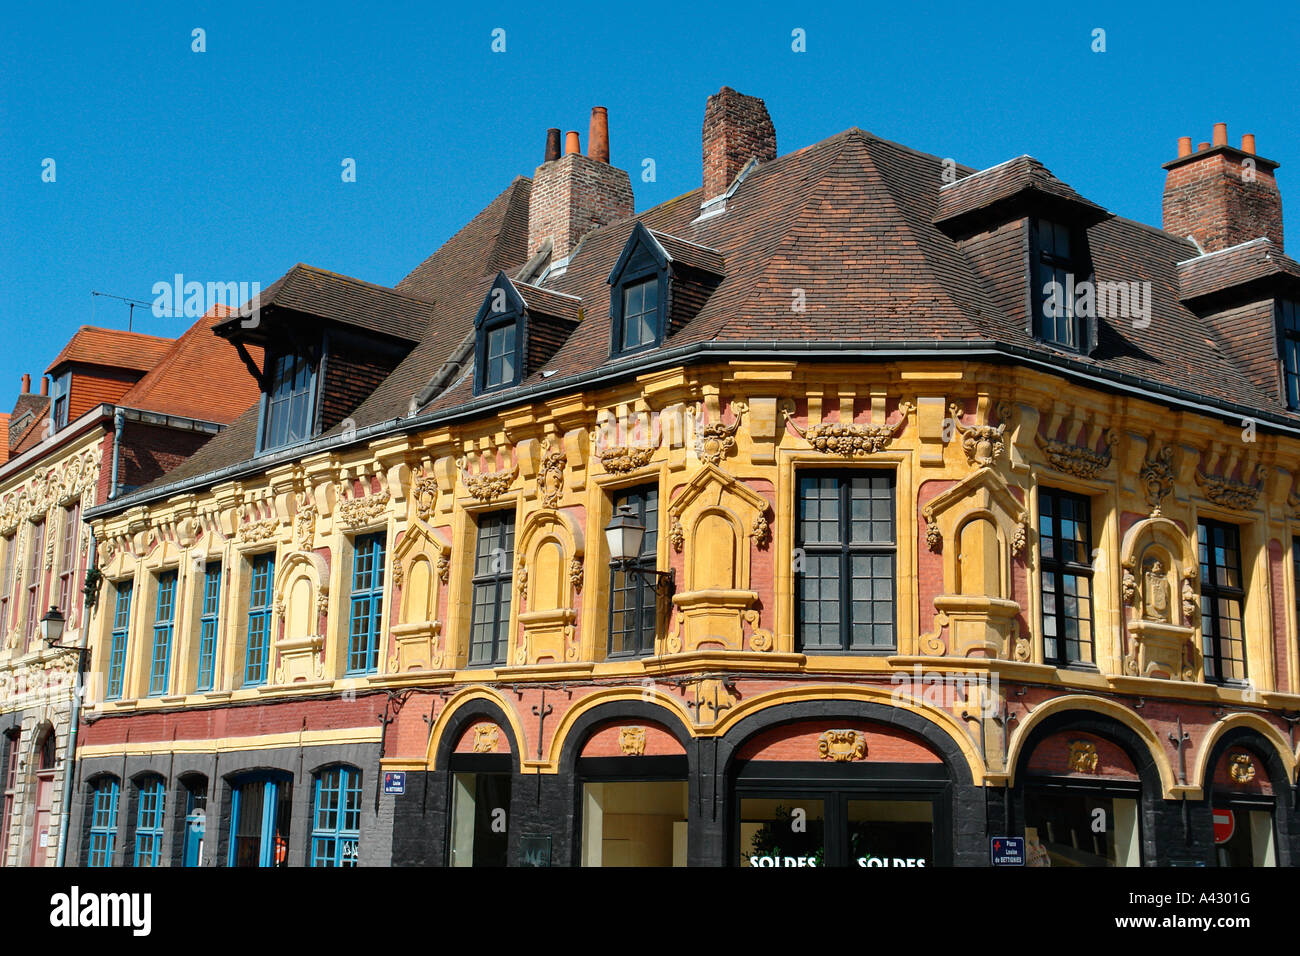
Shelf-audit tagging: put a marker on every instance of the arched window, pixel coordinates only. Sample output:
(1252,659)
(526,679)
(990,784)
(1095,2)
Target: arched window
(149,822)
(336,826)
(260,814)
(45,755)
(103,821)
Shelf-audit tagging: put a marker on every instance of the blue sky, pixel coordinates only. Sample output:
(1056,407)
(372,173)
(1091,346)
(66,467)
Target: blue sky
(226,165)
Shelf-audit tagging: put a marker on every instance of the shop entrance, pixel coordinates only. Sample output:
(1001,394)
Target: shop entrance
(1067,824)
(480,810)
(1243,833)
(875,815)
(633,819)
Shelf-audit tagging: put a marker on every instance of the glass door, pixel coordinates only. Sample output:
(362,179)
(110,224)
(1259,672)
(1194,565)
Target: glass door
(259,825)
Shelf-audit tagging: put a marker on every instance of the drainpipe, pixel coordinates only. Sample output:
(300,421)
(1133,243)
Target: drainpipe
(69,760)
(119,422)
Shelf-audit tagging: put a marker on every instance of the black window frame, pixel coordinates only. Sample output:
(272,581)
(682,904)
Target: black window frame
(313,358)
(502,307)
(1213,638)
(1287,319)
(641,587)
(846,550)
(1051,562)
(643,260)
(497,586)
(1076,264)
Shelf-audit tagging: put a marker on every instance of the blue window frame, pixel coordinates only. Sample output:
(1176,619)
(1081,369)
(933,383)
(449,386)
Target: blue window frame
(208,619)
(164,619)
(149,823)
(367,603)
(259,821)
(258,646)
(117,650)
(288,405)
(336,830)
(640,326)
(103,822)
(196,813)
(59,401)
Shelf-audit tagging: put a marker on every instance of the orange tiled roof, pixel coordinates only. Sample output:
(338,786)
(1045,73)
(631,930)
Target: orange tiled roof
(114,348)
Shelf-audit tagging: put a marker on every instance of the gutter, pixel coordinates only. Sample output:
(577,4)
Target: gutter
(771,349)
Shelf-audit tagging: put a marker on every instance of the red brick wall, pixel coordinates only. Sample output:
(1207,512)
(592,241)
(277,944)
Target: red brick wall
(465,745)
(1223,781)
(1210,198)
(798,741)
(149,451)
(350,376)
(658,741)
(572,196)
(1052,756)
(737,128)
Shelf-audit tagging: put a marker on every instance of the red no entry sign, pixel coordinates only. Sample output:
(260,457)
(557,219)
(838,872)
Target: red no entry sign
(1225,824)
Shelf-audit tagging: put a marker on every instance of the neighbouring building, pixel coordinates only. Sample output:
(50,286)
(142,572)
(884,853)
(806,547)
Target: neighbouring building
(858,508)
(124,408)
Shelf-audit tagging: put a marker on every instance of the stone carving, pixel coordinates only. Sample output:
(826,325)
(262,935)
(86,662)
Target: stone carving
(1155,593)
(575,573)
(489,485)
(714,440)
(933,536)
(761,532)
(1157,476)
(1129,586)
(444,566)
(842,746)
(304,522)
(620,459)
(521,582)
(486,738)
(631,740)
(1242,768)
(399,575)
(359,512)
(1078,460)
(1231,493)
(550,480)
(982,444)
(849,438)
(60,485)
(760,639)
(1083,756)
(424,495)
(1191,608)
(676,536)
(1019,535)
(254,531)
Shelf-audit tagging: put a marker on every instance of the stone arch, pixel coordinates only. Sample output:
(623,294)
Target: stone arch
(420,558)
(301,589)
(581,721)
(1104,718)
(549,544)
(1254,733)
(471,704)
(978,532)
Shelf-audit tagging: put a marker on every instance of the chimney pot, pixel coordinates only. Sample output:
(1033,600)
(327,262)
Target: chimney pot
(45,385)
(1184,146)
(1248,143)
(1220,134)
(571,143)
(552,145)
(1202,147)
(27,383)
(598,135)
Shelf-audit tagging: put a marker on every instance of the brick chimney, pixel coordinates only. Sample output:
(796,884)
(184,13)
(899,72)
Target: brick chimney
(1220,195)
(575,194)
(27,383)
(737,129)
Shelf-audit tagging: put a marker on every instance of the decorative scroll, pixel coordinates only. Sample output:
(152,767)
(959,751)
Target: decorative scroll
(359,512)
(255,531)
(424,494)
(1231,493)
(550,481)
(1157,474)
(1078,460)
(304,521)
(842,746)
(489,485)
(848,438)
(982,444)
(714,440)
(621,459)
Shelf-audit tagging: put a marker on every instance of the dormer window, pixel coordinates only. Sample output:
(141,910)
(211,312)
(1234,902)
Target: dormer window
(1057,273)
(518,328)
(59,401)
(641,322)
(501,364)
(1288,318)
(288,410)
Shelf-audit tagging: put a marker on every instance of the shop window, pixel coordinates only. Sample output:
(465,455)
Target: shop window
(367,603)
(1069,828)
(118,640)
(209,617)
(1065,543)
(633,605)
(68,559)
(196,820)
(149,822)
(257,649)
(164,618)
(260,812)
(845,590)
(35,571)
(1222,593)
(634,823)
(103,821)
(11,744)
(493,577)
(1243,836)
(336,830)
(480,819)
(782,831)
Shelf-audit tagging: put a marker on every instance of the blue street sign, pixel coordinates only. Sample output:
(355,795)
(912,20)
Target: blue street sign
(395,781)
(1007,851)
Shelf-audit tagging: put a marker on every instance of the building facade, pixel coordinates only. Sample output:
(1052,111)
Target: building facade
(112,421)
(957,508)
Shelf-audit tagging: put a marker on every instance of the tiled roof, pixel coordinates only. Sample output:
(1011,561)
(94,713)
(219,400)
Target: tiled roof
(691,253)
(343,299)
(851,229)
(4,437)
(31,433)
(545,302)
(200,377)
(114,348)
(1236,266)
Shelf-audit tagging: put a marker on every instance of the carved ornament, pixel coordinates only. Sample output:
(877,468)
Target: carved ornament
(849,438)
(842,746)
